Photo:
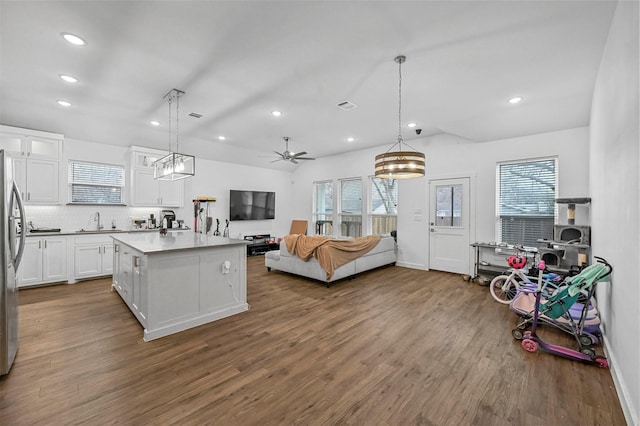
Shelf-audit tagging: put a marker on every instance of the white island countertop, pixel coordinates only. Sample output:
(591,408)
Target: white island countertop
(153,242)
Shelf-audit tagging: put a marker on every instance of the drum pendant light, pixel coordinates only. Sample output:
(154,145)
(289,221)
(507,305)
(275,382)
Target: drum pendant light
(400,164)
(174,166)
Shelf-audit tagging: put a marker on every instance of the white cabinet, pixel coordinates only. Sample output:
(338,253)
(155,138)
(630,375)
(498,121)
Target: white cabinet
(148,192)
(173,290)
(93,256)
(35,158)
(37,180)
(44,261)
(127,280)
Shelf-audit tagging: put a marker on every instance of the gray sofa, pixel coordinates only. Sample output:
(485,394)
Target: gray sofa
(384,253)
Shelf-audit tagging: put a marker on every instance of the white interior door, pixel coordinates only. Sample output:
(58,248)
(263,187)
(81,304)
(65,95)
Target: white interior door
(449,225)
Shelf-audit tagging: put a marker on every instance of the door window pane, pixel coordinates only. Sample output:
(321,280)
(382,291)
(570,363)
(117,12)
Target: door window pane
(449,205)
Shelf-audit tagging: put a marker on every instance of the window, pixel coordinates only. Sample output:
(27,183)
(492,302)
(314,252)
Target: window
(525,196)
(351,207)
(94,183)
(383,205)
(323,208)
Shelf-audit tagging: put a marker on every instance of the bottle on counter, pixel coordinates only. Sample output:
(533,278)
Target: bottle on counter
(151,223)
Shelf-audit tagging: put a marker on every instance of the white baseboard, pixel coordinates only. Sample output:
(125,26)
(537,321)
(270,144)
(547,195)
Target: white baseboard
(411,265)
(623,395)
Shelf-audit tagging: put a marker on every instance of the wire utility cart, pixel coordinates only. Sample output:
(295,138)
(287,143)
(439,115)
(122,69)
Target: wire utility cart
(486,266)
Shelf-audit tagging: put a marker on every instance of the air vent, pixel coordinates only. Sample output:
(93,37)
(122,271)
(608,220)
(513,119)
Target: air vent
(194,115)
(347,105)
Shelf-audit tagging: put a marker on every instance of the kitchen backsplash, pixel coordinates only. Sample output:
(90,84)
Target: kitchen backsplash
(73,218)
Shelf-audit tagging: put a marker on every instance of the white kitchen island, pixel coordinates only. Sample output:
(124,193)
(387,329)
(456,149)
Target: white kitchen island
(180,280)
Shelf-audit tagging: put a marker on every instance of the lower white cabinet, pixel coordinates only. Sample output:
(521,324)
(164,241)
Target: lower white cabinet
(44,261)
(127,279)
(93,256)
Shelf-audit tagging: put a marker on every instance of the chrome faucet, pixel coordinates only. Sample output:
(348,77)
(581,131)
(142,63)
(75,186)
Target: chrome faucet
(97,219)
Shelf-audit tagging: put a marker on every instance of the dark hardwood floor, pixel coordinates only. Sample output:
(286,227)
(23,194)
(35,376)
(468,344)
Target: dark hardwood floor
(393,346)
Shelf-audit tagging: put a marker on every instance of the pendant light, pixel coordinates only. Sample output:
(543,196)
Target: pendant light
(400,164)
(174,166)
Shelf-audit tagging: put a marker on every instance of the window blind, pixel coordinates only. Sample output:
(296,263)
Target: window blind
(526,208)
(94,183)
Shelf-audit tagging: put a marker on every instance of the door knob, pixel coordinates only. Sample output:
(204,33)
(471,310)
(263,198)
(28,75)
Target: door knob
(433,230)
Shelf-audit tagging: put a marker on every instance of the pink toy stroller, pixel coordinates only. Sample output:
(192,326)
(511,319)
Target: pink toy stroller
(559,305)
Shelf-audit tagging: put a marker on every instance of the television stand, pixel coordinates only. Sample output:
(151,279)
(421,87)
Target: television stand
(259,244)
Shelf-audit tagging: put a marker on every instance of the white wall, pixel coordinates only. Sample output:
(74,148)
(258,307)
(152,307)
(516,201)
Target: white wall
(215,179)
(451,156)
(212,178)
(614,177)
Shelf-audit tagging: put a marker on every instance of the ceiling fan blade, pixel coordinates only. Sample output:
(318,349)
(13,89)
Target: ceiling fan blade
(293,160)
(304,158)
(276,160)
(298,154)
(281,155)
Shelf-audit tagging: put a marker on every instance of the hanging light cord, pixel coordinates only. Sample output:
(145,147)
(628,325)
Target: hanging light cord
(400,60)
(177,122)
(170,100)
(399,141)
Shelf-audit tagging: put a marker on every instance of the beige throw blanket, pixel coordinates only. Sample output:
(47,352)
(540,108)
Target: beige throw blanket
(330,252)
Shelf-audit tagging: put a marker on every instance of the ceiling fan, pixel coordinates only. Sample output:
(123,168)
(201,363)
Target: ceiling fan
(290,156)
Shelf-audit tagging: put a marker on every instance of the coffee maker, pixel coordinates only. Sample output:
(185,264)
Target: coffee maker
(169,216)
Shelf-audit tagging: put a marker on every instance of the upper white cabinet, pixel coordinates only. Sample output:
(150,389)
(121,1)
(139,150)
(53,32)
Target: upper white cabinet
(145,190)
(36,163)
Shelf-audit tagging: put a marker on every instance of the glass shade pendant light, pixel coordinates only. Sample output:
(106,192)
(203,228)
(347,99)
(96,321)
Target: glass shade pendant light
(400,164)
(174,166)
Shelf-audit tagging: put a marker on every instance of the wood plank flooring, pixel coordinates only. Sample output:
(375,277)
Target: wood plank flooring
(393,346)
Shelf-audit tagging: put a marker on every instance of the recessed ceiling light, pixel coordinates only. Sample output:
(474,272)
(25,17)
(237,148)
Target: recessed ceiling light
(276,113)
(350,139)
(155,123)
(412,125)
(68,78)
(64,103)
(515,100)
(74,39)
(221,137)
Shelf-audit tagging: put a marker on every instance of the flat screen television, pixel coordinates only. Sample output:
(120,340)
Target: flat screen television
(252,205)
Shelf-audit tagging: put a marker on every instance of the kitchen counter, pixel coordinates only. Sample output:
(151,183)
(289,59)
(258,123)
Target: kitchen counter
(180,280)
(101,231)
(147,243)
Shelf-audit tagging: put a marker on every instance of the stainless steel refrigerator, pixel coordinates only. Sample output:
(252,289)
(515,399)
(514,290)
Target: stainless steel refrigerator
(12,219)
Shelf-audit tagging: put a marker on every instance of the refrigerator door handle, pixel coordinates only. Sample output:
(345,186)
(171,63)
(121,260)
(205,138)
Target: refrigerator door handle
(16,258)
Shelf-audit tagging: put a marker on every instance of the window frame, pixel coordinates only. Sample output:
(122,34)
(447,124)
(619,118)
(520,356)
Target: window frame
(542,220)
(371,216)
(342,215)
(121,184)
(327,223)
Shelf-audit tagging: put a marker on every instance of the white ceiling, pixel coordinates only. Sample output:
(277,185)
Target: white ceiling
(238,60)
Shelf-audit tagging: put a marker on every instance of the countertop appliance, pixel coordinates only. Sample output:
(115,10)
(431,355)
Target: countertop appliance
(12,217)
(169,216)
